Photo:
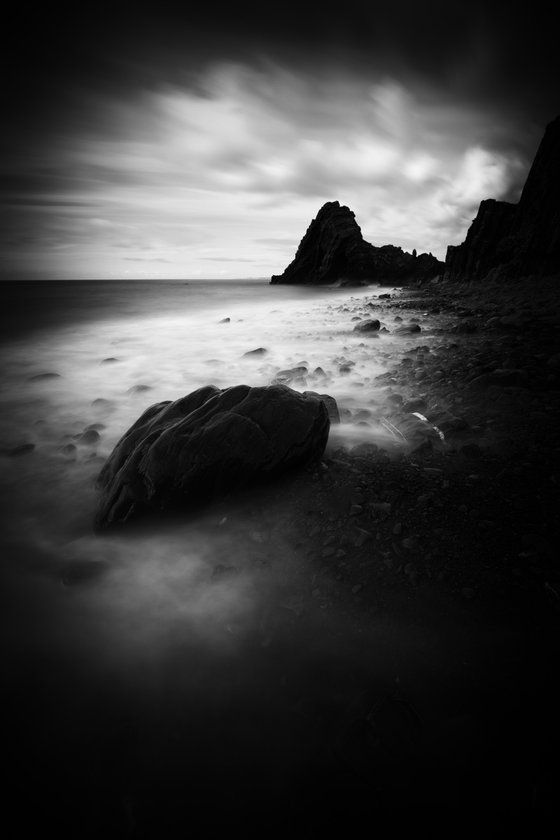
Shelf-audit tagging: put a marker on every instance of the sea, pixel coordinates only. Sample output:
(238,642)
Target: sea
(126,655)
(93,355)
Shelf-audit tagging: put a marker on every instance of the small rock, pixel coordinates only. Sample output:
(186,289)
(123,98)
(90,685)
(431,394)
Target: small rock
(38,377)
(372,325)
(88,438)
(21,449)
(408,329)
(260,351)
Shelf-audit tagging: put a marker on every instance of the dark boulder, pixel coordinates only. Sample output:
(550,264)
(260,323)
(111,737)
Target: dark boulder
(371,325)
(516,240)
(333,250)
(183,453)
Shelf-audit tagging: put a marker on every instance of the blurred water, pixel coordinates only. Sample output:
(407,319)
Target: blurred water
(76,379)
(184,643)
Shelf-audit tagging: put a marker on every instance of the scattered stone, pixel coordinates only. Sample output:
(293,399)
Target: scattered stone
(372,325)
(88,438)
(43,377)
(69,450)
(20,449)
(260,351)
(284,377)
(408,329)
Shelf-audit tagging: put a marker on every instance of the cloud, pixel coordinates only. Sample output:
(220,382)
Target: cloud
(228,259)
(240,162)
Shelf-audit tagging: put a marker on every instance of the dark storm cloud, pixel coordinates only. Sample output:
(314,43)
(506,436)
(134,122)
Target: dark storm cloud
(473,49)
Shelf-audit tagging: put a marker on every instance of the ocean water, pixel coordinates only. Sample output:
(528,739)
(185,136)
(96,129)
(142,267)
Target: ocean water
(105,632)
(85,356)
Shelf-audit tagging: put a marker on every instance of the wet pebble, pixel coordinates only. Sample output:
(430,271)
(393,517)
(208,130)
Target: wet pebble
(20,449)
(40,377)
(69,451)
(260,351)
(88,438)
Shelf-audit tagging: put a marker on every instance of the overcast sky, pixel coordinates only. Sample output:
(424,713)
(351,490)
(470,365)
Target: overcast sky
(202,144)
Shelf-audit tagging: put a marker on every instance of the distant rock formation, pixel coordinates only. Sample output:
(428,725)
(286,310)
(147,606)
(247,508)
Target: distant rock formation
(516,240)
(183,453)
(333,250)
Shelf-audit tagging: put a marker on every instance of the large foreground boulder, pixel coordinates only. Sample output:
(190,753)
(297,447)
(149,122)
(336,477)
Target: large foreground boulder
(210,442)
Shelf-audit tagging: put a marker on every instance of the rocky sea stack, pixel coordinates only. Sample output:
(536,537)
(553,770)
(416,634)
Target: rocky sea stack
(183,453)
(516,240)
(333,250)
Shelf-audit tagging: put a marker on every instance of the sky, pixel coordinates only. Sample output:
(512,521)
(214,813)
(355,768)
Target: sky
(142,142)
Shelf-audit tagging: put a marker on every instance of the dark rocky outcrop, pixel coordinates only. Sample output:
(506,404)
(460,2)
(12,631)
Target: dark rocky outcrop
(333,250)
(516,240)
(183,453)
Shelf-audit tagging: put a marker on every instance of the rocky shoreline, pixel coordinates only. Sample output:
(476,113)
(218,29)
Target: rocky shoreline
(383,623)
(426,579)
(477,513)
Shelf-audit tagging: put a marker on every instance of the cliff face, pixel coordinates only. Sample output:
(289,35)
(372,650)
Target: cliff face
(516,240)
(334,250)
